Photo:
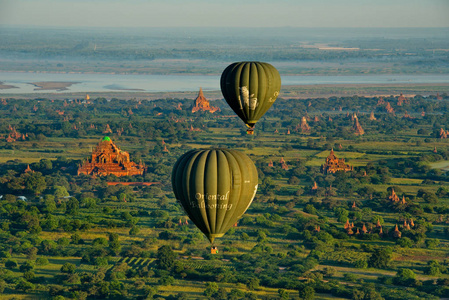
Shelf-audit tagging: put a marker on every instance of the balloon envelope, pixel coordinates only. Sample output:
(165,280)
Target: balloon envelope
(250,89)
(215,187)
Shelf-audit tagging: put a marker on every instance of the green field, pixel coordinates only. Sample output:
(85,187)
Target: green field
(112,236)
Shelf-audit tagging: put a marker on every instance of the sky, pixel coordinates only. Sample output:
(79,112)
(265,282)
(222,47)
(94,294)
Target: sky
(225,13)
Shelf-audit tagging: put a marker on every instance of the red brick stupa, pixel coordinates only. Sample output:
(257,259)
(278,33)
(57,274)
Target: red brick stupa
(202,104)
(108,159)
(304,126)
(358,130)
(334,164)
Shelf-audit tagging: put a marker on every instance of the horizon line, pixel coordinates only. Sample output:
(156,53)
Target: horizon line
(211,27)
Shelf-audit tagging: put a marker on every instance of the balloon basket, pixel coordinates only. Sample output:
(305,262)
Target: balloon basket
(250,131)
(214,250)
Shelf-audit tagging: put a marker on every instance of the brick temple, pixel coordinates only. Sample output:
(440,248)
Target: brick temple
(334,164)
(358,130)
(202,104)
(108,159)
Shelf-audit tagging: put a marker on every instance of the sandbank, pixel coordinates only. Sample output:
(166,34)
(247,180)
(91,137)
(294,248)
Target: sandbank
(6,86)
(52,85)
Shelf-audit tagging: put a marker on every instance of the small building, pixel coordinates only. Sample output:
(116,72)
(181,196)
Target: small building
(364,230)
(304,126)
(389,109)
(378,225)
(347,225)
(402,99)
(28,169)
(358,130)
(393,197)
(396,233)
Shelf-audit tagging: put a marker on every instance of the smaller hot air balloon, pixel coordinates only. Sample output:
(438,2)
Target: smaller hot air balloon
(250,89)
(215,187)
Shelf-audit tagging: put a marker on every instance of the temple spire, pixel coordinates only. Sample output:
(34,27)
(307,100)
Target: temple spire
(202,104)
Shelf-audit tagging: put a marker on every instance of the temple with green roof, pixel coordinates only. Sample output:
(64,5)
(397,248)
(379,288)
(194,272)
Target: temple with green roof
(108,159)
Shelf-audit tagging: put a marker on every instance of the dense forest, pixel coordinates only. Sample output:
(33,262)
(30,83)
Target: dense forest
(64,236)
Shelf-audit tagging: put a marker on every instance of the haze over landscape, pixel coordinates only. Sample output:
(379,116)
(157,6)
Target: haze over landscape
(202,13)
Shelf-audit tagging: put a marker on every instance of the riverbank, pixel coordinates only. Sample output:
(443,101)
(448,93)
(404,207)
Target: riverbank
(289,92)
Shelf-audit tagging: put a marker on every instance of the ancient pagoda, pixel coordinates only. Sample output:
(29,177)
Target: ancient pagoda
(107,129)
(372,117)
(304,126)
(378,225)
(364,230)
(396,233)
(407,115)
(202,104)
(394,197)
(334,164)
(389,109)
(401,100)
(108,159)
(358,130)
(403,200)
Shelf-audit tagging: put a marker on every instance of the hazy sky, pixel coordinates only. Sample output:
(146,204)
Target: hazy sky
(226,13)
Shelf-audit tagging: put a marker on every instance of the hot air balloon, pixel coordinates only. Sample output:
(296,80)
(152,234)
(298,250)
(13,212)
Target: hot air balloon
(215,187)
(250,88)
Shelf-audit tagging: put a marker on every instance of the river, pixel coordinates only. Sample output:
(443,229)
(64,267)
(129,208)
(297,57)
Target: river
(85,83)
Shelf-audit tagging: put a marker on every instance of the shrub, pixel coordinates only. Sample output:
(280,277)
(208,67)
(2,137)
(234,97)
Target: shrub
(134,230)
(405,242)
(310,209)
(380,258)
(351,277)
(10,264)
(405,277)
(68,268)
(432,243)
(361,264)
(41,261)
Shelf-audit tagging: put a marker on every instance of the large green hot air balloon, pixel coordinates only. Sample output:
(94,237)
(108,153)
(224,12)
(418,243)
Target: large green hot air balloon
(215,187)
(250,88)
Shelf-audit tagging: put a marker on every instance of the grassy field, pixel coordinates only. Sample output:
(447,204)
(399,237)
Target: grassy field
(285,211)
